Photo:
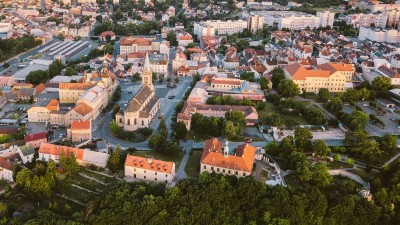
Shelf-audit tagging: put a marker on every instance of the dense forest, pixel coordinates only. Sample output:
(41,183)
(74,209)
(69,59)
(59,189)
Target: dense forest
(12,47)
(217,199)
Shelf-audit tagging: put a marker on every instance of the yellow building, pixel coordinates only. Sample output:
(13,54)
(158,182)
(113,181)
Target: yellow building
(70,92)
(335,77)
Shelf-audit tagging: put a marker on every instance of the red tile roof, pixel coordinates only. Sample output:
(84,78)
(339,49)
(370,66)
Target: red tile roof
(149,164)
(51,149)
(35,137)
(242,160)
(81,125)
(4,163)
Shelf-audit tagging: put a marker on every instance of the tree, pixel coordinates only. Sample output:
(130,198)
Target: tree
(287,88)
(303,169)
(264,83)
(381,85)
(302,137)
(180,130)
(16,168)
(54,69)
(114,162)
(171,37)
(388,143)
(68,163)
(69,71)
(136,77)
(321,176)
(368,150)
(237,118)
(335,105)
(320,148)
(36,77)
(357,120)
(230,130)
(353,137)
(323,95)
(277,77)
(337,157)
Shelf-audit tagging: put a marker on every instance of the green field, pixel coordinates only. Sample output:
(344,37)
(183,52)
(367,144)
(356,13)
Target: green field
(288,120)
(192,168)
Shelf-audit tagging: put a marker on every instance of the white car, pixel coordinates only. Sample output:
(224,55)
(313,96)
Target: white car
(365,104)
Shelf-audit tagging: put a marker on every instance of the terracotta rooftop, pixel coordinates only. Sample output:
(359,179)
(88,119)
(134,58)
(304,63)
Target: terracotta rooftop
(50,149)
(83,109)
(35,137)
(149,164)
(226,81)
(80,125)
(242,160)
(4,163)
(75,86)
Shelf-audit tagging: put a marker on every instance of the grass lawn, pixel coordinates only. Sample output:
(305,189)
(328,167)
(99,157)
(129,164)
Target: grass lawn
(96,175)
(288,119)
(368,177)
(293,180)
(77,194)
(192,168)
(157,155)
(3,184)
(197,137)
(338,165)
(385,157)
(87,183)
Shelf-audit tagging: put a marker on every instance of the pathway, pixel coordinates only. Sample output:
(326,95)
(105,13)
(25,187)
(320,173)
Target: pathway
(181,174)
(391,160)
(71,199)
(92,178)
(84,189)
(351,176)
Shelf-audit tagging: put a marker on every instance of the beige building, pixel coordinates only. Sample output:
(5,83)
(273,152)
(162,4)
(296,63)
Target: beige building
(40,111)
(219,160)
(255,23)
(80,131)
(136,44)
(336,77)
(142,108)
(149,169)
(225,83)
(70,92)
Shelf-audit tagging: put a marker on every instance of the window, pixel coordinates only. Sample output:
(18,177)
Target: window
(144,171)
(129,121)
(244,174)
(236,172)
(144,177)
(229,171)
(155,173)
(204,167)
(155,179)
(223,170)
(134,175)
(217,169)
(212,168)
(166,175)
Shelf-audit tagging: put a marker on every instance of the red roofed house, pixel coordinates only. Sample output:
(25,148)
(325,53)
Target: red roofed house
(36,139)
(103,36)
(219,160)
(80,131)
(83,157)
(6,170)
(149,169)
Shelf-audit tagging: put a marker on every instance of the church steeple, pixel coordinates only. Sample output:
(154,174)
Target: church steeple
(147,75)
(226,149)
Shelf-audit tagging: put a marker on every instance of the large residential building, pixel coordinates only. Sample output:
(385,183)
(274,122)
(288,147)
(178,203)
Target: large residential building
(144,105)
(336,77)
(296,20)
(221,27)
(83,157)
(40,111)
(366,20)
(190,108)
(255,23)
(149,169)
(220,160)
(142,44)
(379,35)
(6,170)
(70,92)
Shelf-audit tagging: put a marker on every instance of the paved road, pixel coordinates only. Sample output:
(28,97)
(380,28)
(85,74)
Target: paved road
(391,160)
(180,173)
(352,176)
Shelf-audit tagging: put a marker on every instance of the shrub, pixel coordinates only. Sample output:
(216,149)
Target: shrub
(350,161)
(337,157)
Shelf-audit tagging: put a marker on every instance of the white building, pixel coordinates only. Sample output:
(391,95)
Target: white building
(366,20)
(6,170)
(221,27)
(326,18)
(255,23)
(149,169)
(379,35)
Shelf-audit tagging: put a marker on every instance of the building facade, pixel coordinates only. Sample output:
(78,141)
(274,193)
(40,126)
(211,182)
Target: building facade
(219,160)
(149,169)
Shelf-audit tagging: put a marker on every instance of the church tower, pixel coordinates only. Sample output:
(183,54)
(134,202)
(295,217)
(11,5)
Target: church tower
(226,149)
(105,74)
(147,75)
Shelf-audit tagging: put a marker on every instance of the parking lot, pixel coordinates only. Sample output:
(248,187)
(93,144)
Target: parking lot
(389,119)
